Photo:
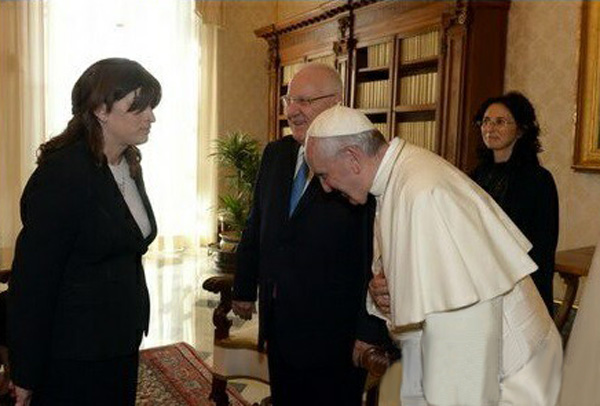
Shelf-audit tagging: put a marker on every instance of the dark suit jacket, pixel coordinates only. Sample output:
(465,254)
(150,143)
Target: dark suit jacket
(77,288)
(527,193)
(316,262)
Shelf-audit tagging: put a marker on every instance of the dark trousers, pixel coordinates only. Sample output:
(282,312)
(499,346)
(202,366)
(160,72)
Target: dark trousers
(89,383)
(327,385)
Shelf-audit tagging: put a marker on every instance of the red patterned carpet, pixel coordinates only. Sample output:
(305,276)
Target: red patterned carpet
(174,375)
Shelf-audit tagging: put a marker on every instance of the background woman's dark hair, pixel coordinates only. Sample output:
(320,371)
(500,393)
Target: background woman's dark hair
(528,145)
(105,82)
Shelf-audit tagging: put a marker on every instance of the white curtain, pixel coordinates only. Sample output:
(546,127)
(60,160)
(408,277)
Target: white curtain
(207,168)
(45,46)
(21,106)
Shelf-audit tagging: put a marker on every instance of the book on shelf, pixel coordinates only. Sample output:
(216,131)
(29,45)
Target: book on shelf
(341,68)
(418,89)
(383,128)
(379,55)
(420,133)
(372,95)
(289,71)
(419,47)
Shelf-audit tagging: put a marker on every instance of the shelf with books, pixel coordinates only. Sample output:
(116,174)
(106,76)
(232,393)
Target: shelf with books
(416,48)
(383,129)
(418,88)
(374,56)
(407,108)
(372,74)
(420,133)
(374,111)
(429,62)
(417,127)
(288,72)
(380,119)
(382,70)
(417,79)
(372,90)
(286,131)
(420,63)
(373,95)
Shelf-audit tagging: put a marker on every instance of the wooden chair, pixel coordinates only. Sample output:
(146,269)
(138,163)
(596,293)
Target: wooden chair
(570,265)
(236,354)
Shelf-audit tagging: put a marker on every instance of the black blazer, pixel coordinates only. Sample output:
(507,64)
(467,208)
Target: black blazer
(314,262)
(77,288)
(529,197)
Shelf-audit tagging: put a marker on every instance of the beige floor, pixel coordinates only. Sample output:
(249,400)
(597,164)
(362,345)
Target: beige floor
(182,311)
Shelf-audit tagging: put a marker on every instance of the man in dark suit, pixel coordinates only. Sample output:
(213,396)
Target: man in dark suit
(308,253)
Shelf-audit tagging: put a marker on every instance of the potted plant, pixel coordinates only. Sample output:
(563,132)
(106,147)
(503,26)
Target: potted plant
(238,153)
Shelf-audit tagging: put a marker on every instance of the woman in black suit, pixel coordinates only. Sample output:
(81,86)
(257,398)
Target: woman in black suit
(509,170)
(78,301)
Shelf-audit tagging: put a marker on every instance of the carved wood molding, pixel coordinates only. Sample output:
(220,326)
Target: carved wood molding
(330,10)
(461,12)
(346,40)
(273,61)
(458,15)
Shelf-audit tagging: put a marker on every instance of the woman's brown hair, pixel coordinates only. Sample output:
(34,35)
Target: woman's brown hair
(104,82)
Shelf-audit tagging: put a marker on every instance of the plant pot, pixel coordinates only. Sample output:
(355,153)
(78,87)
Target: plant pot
(229,240)
(225,261)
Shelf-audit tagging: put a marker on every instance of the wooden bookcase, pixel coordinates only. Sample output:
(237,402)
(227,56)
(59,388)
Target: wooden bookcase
(419,69)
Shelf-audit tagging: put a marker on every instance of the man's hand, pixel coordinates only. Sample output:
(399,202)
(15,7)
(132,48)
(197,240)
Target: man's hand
(243,309)
(380,293)
(22,396)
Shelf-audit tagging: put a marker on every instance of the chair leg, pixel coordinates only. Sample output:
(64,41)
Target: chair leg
(218,393)
(372,396)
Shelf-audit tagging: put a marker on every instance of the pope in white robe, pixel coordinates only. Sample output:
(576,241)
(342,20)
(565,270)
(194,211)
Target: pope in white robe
(472,326)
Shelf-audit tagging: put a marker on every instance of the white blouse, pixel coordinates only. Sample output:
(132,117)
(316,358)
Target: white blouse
(131,194)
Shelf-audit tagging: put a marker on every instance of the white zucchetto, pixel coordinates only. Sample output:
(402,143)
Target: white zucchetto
(338,121)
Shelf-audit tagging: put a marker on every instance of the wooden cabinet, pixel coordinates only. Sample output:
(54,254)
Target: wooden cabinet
(418,69)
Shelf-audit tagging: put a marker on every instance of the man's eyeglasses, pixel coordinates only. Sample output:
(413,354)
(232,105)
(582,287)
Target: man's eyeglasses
(499,122)
(302,101)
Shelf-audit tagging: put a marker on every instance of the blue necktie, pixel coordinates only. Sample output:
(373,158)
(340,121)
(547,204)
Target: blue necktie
(298,186)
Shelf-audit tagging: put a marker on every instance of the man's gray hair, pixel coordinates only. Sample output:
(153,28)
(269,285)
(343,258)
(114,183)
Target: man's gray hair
(370,142)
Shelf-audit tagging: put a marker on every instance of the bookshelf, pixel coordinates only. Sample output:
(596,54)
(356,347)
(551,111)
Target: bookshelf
(419,69)
(416,97)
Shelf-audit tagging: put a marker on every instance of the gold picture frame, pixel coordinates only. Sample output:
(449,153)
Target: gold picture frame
(587,134)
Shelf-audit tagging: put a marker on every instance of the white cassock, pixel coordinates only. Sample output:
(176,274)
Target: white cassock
(473,329)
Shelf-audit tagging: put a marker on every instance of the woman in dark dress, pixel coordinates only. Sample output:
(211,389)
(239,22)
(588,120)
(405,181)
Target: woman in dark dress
(509,170)
(78,304)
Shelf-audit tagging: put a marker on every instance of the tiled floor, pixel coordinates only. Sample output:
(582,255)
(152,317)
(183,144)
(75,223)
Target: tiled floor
(182,311)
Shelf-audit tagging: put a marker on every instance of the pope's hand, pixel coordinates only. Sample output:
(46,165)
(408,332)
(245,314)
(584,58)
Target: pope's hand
(380,293)
(243,309)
